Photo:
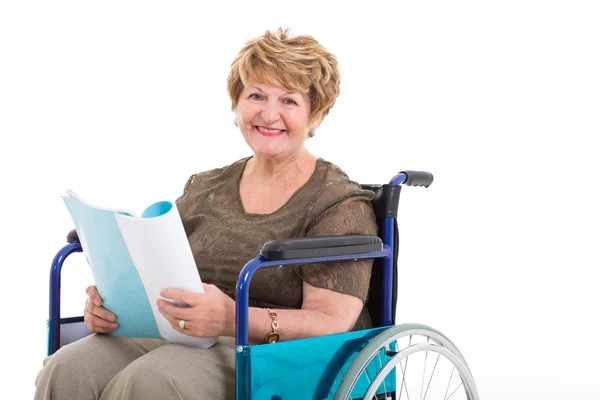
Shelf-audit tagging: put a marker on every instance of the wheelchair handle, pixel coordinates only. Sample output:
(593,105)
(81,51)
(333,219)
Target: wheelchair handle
(413,178)
(72,237)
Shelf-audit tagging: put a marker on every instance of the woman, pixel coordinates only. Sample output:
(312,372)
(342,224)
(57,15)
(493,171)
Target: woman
(281,88)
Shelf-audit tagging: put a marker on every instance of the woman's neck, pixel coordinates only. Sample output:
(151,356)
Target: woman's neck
(273,169)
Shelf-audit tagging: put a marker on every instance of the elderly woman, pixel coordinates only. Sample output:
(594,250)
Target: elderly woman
(281,88)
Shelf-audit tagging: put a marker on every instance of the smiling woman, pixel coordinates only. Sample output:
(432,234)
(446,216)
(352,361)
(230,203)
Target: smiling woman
(281,87)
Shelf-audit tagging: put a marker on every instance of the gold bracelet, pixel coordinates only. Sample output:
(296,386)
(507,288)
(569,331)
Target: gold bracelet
(273,336)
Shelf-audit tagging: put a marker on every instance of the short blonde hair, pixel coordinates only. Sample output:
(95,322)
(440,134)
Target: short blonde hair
(296,64)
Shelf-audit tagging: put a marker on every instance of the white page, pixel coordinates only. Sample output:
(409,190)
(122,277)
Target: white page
(161,252)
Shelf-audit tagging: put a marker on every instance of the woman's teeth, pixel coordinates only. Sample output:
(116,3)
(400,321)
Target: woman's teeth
(269,130)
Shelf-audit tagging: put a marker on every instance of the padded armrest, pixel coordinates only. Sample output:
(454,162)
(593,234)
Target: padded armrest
(320,246)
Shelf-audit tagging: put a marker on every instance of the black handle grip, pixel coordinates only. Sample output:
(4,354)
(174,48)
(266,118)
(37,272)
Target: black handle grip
(418,178)
(72,237)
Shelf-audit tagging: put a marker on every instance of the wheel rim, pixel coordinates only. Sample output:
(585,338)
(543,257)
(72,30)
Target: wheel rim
(438,371)
(426,378)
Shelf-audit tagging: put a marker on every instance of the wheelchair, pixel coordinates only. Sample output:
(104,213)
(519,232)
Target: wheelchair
(388,361)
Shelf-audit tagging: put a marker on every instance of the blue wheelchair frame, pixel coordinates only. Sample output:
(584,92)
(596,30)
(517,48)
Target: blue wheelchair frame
(309,368)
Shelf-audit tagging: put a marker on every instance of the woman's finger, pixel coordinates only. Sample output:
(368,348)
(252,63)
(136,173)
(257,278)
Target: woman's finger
(89,290)
(100,311)
(98,325)
(96,318)
(86,320)
(183,296)
(175,311)
(92,293)
(102,323)
(170,319)
(174,322)
(102,330)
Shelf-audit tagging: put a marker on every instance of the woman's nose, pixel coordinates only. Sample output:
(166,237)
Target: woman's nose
(270,112)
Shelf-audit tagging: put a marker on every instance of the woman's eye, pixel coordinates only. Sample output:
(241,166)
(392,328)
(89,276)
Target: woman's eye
(255,96)
(290,102)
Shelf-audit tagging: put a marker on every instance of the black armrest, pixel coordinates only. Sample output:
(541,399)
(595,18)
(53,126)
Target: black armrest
(320,246)
(72,237)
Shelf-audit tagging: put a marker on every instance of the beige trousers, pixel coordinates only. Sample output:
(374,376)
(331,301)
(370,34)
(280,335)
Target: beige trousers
(109,367)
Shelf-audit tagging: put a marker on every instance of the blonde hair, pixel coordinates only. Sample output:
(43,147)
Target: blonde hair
(296,64)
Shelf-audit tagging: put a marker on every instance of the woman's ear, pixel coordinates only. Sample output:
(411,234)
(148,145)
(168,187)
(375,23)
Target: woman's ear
(313,128)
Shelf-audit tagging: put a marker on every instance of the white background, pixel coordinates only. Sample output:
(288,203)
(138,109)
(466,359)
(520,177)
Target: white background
(121,102)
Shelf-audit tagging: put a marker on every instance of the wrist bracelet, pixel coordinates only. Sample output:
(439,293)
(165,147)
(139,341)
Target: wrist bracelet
(273,336)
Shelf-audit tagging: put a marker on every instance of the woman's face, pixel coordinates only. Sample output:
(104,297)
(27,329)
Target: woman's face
(273,122)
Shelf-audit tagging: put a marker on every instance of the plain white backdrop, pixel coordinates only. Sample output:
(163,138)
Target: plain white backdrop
(122,101)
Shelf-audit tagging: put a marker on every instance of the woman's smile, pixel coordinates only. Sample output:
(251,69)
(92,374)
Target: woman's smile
(269,132)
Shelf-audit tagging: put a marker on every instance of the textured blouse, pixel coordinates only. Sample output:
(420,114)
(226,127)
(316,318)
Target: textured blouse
(224,237)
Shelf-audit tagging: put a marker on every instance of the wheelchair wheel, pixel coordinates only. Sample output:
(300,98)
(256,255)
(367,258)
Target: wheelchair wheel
(408,361)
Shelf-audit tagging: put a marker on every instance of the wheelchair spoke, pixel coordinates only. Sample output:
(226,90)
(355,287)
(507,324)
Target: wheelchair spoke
(369,379)
(423,376)
(403,386)
(449,380)
(461,383)
(381,366)
(431,377)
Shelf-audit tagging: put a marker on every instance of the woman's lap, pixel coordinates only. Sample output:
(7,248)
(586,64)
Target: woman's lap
(178,372)
(138,368)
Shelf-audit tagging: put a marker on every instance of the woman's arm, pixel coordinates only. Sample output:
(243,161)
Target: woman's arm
(323,312)
(212,313)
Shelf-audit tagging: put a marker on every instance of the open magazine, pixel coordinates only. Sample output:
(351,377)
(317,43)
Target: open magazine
(132,258)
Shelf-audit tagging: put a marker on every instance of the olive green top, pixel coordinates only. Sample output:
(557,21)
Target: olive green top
(224,237)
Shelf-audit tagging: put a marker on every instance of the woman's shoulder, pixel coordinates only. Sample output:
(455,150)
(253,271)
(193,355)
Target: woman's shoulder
(332,185)
(339,202)
(214,177)
(330,176)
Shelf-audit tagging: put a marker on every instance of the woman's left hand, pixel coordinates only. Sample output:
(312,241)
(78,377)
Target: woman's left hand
(207,314)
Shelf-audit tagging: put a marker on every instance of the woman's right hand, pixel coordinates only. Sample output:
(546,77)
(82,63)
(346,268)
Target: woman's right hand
(97,318)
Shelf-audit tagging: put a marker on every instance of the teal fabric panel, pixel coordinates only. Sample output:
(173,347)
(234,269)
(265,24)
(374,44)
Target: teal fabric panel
(304,369)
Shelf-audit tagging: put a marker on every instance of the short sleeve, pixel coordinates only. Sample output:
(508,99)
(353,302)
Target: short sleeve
(352,216)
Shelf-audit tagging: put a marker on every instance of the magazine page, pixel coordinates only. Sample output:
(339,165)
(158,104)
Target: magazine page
(161,252)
